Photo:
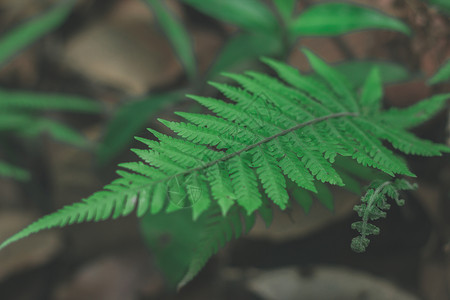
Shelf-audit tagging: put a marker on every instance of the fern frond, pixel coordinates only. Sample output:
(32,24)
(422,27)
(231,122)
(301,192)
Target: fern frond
(271,130)
(373,206)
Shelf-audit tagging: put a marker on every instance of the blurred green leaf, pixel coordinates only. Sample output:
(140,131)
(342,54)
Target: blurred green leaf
(443,5)
(20,37)
(30,126)
(55,130)
(372,92)
(338,18)
(176,34)
(18,114)
(13,120)
(285,8)
(324,195)
(352,168)
(10,171)
(128,120)
(357,71)
(303,197)
(350,183)
(443,74)
(172,239)
(42,101)
(244,47)
(251,15)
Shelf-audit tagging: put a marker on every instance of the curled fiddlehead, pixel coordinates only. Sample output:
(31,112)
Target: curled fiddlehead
(374,206)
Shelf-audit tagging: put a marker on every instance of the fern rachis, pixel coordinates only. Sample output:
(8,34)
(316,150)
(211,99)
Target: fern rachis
(271,131)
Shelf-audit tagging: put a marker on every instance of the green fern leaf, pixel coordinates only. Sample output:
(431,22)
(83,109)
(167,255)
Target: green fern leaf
(223,166)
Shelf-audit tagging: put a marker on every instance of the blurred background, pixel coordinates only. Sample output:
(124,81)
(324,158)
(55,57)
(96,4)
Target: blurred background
(109,69)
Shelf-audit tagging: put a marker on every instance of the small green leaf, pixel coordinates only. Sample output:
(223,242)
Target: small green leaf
(198,196)
(245,184)
(324,195)
(177,35)
(443,74)
(44,101)
(221,188)
(372,92)
(244,47)
(351,167)
(265,211)
(350,183)
(143,202)
(359,244)
(357,71)
(303,197)
(443,5)
(10,171)
(249,14)
(14,121)
(56,130)
(339,18)
(367,228)
(20,37)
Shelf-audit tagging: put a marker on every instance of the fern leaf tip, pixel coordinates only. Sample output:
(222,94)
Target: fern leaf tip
(359,244)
